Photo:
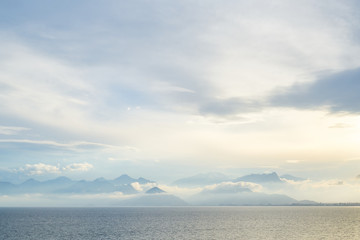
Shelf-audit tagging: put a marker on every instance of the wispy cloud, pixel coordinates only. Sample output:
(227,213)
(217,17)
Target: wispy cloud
(71,145)
(10,130)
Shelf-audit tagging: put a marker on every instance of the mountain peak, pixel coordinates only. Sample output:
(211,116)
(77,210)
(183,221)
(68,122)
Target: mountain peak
(124,179)
(142,180)
(60,179)
(293,178)
(100,179)
(30,181)
(260,178)
(155,190)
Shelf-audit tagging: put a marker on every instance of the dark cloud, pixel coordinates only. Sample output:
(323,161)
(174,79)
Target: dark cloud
(339,92)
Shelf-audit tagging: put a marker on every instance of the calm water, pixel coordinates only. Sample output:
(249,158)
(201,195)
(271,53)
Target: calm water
(181,223)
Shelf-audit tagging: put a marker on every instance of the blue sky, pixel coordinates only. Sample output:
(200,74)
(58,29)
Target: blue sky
(167,89)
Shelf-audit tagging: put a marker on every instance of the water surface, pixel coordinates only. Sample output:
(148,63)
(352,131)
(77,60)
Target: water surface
(181,223)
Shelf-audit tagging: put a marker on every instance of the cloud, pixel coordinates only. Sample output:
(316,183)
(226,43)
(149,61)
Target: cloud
(137,186)
(41,168)
(78,167)
(71,145)
(231,187)
(338,92)
(10,130)
(143,187)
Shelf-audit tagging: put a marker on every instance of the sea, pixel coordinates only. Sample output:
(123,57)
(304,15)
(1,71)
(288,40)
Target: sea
(181,223)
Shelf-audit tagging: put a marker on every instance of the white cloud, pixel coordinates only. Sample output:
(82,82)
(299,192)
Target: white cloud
(234,186)
(137,186)
(41,168)
(78,167)
(143,187)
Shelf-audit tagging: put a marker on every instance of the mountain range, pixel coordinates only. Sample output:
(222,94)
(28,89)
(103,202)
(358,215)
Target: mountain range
(64,185)
(218,189)
(205,179)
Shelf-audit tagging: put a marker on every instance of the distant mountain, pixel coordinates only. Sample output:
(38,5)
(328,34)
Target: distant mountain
(97,186)
(202,179)
(64,185)
(155,190)
(143,180)
(12,176)
(125,179)
(260,178)
(293,178)
(31,185)
(59,180)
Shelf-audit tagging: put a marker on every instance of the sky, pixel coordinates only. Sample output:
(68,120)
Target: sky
(167,89)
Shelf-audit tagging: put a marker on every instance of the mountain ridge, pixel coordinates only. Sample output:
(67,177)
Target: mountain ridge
(65,185)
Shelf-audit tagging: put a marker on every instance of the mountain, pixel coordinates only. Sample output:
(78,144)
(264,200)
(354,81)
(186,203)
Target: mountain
(293,178)
(125,179)
(260,178)
(31,185)
(95,186)
(155,190)
(12,176)
(64,185)
(60,180)
(144,181)
(202,179)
